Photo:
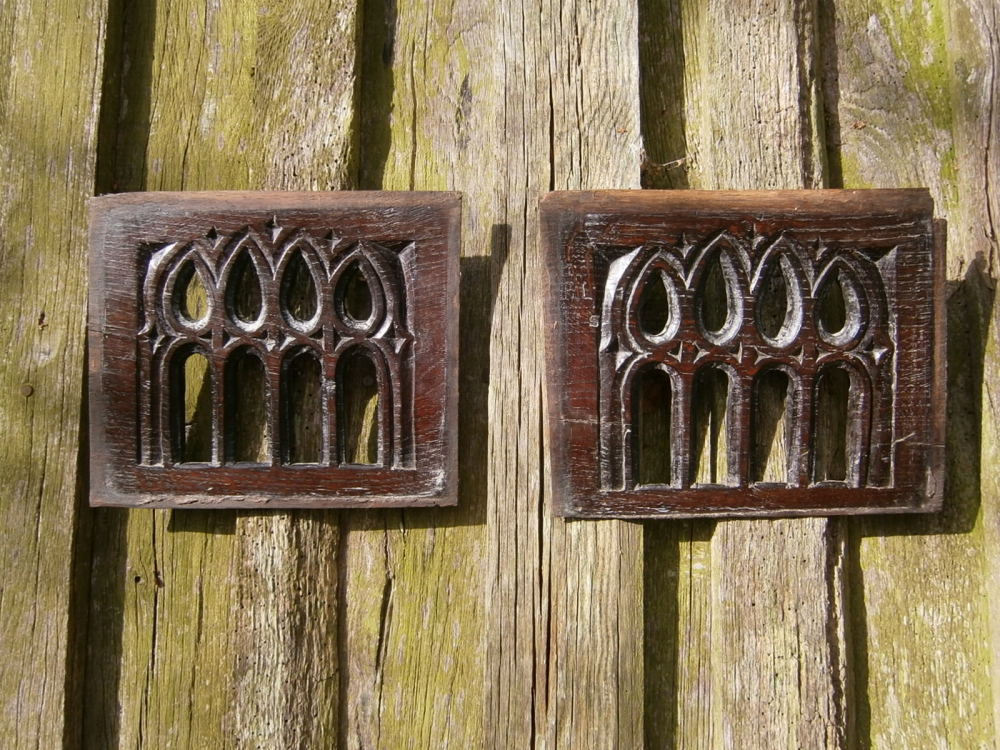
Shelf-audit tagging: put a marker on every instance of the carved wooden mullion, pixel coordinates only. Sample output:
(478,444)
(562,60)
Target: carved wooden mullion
(330,397)
(275,405)
(802,430)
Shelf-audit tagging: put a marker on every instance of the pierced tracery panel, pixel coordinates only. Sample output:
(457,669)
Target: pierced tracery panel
(713,308)
(291,349)
(744,345)
(275,297)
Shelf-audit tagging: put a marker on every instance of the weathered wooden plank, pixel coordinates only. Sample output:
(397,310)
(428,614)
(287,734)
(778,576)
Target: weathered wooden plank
(914,105)
(594,570)
(220,629)
(535,619)
(677,556)
(412,584)
(759,635)
(979,158)
(50,68)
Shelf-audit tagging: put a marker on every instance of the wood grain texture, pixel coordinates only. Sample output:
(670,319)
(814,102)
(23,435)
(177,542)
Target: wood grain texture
(776,671)
(220,629)
(914,105)
(405,244)
(517,631)
(50,68)
(467,627)
(606,250)
(412,596)
(594,570)
(980,160)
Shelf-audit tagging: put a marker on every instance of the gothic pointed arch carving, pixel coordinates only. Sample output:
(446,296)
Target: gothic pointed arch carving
(805,283)
(280,276)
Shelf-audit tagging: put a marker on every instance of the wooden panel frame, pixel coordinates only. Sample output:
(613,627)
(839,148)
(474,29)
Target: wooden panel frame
(599,245)
(406,242)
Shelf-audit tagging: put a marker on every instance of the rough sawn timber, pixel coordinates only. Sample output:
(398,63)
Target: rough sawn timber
(916,103)
(751,630)
(498,626)
(222,630)
(50,69)
(219,629)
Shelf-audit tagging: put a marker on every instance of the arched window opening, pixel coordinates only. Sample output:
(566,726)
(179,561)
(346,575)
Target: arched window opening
(302,409)
(652,410)
(191,407)
(772,427)
(709,427)
(832,434)
(358,408)
(247,439)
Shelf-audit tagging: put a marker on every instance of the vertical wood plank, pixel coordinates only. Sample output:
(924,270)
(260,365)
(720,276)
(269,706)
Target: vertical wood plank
(981,117)
(757,616)
(914,105)
(495,604)
(677,564)
(50,77)
(413,580)
(220,629)
(594,569)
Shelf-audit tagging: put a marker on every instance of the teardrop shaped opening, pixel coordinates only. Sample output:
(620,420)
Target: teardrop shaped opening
(247,439)
(772,302)
(656,306)
(303,409)
(652,404)
(243,293)
(354,297)
(833,391)
(715,296)
(357,408)
(190,296)
(838,307)
(772,427)
(709,427)
(191,407)
(299,299)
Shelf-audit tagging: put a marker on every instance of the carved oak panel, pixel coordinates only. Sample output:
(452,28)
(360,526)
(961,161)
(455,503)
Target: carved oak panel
(306,312)
(698,303)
